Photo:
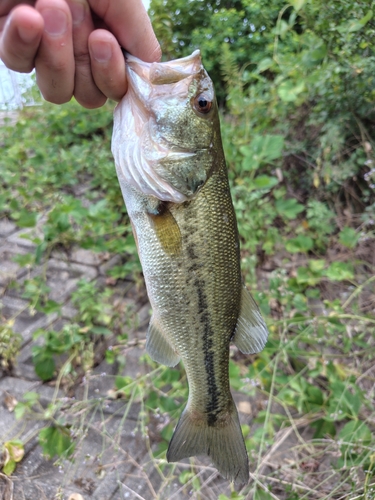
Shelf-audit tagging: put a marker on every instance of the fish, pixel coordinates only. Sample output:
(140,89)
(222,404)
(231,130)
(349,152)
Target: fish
(172,172)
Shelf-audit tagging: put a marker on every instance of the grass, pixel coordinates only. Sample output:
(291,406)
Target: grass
(306,401)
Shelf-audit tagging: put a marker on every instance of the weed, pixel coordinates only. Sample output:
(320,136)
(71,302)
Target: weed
(301,172)
(10,344)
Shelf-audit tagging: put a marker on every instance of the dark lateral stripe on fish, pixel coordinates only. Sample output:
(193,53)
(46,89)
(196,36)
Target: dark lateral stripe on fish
(212,407)
(195,265)
(191,253)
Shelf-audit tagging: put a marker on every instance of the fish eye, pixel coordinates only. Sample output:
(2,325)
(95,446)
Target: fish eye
(202,103)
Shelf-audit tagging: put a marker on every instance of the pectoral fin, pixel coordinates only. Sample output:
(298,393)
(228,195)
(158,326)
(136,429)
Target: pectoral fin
(166,229)
(251,331)
(158,346)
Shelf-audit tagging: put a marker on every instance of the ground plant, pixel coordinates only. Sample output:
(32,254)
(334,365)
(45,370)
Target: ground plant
(296,86)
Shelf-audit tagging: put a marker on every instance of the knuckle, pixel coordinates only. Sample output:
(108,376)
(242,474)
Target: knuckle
(54,63)
(82,59)
(58,66)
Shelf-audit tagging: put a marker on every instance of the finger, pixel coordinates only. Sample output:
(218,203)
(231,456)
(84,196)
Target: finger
(107,64)
(129,22)
(7,5)
(55,59)
(20,39)
(85,90)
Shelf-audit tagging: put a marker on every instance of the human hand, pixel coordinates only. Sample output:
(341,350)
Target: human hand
(74,45)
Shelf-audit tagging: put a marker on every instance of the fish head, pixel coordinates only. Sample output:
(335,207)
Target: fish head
(164,128)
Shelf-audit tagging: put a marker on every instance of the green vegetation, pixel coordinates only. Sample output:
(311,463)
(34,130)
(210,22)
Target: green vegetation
(10,344)
(296,84)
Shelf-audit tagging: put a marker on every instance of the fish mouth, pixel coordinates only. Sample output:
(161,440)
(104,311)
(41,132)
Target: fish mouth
(163,73)
(150,81)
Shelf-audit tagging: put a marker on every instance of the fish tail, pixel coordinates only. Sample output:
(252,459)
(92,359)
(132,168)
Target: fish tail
(222,442)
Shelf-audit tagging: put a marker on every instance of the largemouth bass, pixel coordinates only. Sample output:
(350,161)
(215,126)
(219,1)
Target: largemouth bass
(172,172)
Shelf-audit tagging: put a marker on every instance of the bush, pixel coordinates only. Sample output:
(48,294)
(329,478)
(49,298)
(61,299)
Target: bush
(298,81)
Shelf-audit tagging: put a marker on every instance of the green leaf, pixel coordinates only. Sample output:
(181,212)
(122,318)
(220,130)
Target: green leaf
(14,452)
(262,149)
(301,243)
(185,476)
(353,402)
(306,277)
(340,271)
(56,441)
(316,265)
(289,91)
(234,375)
(124,384)
(298,4)
(96,209)
(349,237)
(49,307)
(40,249)
(271,146)
(16,449)
(282,27)
(21,409)
(300,302)
(264,64)
(24,260)
(40,332)
(315,395)
(323,428)
(9,467)
(260,494)
(14,205)
(265,182)
(26,218)
(318,53)
(233,496)
(31,397)
(110,356)
(289,208)
(355,431)
(168,404)
(44,366)
(358,25)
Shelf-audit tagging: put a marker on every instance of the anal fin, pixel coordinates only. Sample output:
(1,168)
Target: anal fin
(251,331)
(158,346)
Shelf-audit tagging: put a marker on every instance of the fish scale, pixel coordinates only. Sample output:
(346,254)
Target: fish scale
(215,285)
(189,250)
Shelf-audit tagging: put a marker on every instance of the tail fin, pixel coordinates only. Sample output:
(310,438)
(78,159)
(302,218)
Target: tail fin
(222,442)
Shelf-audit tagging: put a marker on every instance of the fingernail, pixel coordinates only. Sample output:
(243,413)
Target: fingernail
(78,12)
(27,35)
(55,21)
(102,52)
